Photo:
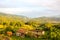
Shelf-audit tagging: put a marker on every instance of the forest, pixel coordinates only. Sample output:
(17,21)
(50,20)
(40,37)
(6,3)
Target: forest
(15,27)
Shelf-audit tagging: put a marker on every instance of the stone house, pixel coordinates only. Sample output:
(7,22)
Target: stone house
(36,33)
(32,33)
(21,32)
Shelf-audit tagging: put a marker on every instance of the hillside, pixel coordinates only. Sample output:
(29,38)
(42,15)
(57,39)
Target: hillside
(48,19)
(13,17)
(55,19)
(24,28)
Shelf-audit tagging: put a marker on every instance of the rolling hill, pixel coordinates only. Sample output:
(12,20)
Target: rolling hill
(55,19)
(13,17)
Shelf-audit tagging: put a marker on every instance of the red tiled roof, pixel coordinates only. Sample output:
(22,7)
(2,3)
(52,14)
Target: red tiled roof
(21,30)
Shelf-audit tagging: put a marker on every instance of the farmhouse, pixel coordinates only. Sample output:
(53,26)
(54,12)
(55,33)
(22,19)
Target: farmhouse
(21,32)
(37,33)
(33,33)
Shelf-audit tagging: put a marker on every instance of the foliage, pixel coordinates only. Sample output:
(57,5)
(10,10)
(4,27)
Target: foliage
(28,27)
(10,24)
(1,26)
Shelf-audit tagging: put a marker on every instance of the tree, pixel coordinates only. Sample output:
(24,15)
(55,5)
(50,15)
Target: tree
(28,27)
(48,25)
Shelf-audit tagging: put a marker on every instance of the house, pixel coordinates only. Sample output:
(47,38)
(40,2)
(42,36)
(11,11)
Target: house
(21,32)
(37,33)
(32,33)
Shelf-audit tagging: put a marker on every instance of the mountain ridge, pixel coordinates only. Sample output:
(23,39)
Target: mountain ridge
(52,18)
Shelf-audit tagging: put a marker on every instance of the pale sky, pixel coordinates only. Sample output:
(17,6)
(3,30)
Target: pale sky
(31,8)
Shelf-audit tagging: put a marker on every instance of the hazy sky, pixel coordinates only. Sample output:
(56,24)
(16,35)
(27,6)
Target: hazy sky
(31,8)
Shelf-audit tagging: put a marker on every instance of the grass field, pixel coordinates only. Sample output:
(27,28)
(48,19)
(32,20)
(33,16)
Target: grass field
(27,38)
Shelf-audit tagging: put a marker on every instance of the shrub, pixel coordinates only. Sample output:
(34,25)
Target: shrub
(9,33)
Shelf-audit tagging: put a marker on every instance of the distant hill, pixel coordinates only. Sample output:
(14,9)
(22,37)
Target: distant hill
(48,19)
(14,17)
(55,19)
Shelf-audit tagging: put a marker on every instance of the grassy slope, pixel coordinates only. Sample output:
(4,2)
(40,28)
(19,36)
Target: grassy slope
(26,38)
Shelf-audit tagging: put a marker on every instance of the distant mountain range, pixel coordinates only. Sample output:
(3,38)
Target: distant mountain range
(44,19)
(18,17)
